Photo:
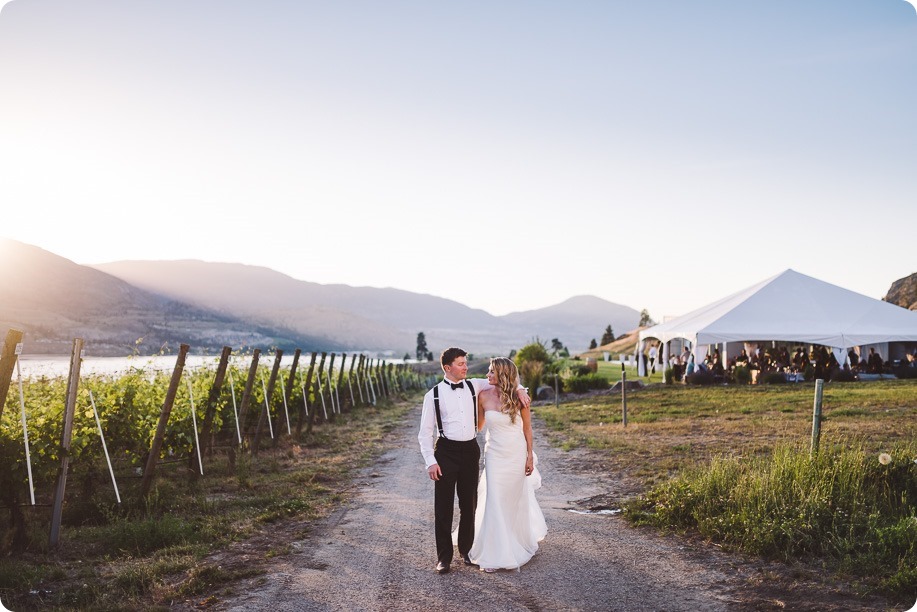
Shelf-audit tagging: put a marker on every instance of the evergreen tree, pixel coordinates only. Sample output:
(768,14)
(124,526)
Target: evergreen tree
(608,337)
(593,344)
(556,346)
(645,318)
(422,351)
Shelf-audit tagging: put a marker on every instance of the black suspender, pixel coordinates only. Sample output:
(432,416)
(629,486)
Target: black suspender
(439,418)
(474,402)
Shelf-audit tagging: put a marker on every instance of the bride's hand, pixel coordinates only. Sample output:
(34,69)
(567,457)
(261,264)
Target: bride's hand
(529,465)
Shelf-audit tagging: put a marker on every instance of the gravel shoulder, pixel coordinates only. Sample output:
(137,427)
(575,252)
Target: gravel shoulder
(376,552)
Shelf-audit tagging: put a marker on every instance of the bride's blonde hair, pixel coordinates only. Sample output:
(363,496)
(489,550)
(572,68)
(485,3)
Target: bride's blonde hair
(507,382)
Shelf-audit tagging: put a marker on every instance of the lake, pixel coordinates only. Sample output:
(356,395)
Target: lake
(59,365)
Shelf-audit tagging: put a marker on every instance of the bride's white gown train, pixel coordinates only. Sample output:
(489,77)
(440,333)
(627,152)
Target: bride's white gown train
(508,522)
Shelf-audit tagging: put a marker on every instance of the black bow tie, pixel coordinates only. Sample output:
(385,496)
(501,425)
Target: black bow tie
(460,385)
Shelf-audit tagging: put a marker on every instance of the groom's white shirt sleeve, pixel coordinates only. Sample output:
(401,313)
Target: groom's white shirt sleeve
(427,429)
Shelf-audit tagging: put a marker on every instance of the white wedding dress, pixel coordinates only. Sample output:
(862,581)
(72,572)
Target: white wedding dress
(508,522)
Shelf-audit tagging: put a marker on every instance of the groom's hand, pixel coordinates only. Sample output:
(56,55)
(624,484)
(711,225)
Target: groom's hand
(524,396)
(434,471)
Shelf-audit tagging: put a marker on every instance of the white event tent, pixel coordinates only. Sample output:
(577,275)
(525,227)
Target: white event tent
(789,307)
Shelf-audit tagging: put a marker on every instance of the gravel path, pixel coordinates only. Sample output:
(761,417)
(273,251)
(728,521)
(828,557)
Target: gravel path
(377,553)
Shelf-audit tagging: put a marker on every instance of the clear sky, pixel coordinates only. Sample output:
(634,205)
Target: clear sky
(504,154)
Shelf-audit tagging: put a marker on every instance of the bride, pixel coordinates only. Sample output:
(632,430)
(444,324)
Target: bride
(508,522)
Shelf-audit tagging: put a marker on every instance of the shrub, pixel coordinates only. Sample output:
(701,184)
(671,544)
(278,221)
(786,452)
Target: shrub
(700,377)
(580,370)
(586,382)
(742,375)
(773,378)
(531,372)
(843,376)
(669,376)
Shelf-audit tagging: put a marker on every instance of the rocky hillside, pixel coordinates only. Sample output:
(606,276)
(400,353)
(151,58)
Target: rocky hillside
(903,292)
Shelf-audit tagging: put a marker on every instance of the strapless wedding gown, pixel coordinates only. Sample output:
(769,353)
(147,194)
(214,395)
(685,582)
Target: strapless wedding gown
(508,522)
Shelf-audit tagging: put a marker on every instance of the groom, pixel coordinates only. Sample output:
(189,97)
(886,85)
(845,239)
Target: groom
(448,428)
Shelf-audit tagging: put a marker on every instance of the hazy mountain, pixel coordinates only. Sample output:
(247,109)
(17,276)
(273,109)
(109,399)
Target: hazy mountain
(578,320)
(368,317)
(208,305)
(53,300)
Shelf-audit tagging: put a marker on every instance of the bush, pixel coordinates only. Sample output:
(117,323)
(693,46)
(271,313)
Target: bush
(700,377)
(580,370)
(742,375)
(838,375)
(773,378)
(669,376)
(586,382)
(531,373)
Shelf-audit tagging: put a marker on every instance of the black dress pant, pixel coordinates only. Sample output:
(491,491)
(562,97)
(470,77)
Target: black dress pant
(459,462)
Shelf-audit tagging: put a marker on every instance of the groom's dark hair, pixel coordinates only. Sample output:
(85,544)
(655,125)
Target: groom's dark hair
(450,355)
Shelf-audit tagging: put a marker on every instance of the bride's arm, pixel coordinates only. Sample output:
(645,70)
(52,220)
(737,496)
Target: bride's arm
(526,413)
(480,403)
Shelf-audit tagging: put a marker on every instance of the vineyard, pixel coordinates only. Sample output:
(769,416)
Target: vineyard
(81,450)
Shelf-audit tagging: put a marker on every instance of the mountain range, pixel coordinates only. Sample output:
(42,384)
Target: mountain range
(141,306)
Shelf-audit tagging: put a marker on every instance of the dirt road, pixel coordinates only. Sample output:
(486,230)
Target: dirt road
(377,553)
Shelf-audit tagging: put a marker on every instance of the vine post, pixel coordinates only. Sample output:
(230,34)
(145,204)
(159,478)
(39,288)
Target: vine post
(816,416)
(212,400)
(7,363)
(307,388)
(153,458)
(73,382)
(247,392)
(265,412)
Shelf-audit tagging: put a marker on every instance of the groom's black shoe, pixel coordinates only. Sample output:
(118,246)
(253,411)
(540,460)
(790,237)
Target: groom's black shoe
(468,561)
(442,568)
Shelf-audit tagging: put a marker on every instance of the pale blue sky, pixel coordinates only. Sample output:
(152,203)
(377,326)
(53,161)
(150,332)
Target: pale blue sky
(660,155)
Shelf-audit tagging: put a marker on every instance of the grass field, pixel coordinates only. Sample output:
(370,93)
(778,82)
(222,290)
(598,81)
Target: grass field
(690,455)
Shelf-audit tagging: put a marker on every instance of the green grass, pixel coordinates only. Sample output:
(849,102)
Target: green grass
(841,505)
(732,463)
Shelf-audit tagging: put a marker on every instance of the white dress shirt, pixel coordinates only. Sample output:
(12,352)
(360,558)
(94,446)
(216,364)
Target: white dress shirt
(456,408)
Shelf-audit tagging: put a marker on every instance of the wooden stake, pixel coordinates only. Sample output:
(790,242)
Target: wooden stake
(216,389)
(304,413)
(73,383)
(153,458)
(816,416)
(623,396)
(268,395)
(247,392)
(7,363)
